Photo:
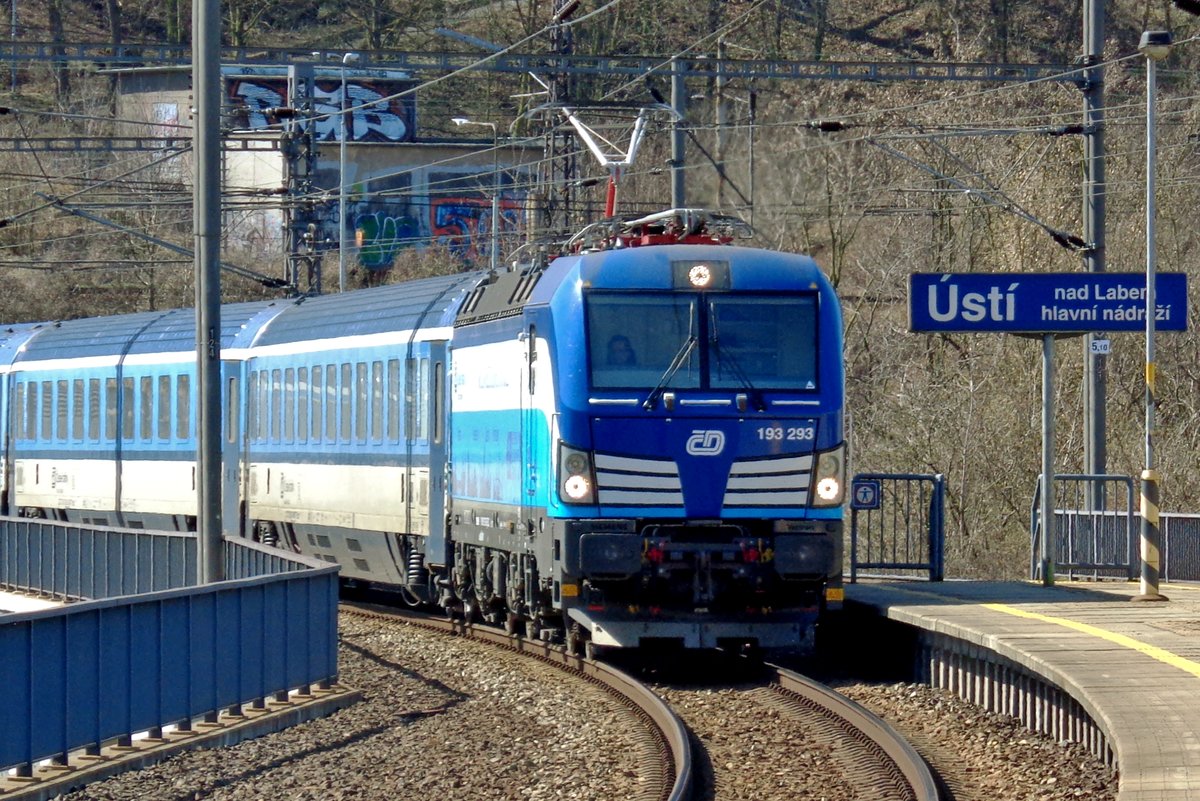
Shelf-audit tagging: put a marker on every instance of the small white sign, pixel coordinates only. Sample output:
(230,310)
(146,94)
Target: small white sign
(1101,346)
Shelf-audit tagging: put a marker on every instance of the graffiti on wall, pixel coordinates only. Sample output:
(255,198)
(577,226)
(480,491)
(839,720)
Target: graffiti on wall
(389,213)
(375,117)
(465,224)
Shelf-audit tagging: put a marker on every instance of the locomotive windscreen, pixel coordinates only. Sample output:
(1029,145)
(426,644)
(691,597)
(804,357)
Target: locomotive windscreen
(686,340)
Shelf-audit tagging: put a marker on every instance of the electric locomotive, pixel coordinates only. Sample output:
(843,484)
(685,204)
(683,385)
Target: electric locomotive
(637,442)
(647,441)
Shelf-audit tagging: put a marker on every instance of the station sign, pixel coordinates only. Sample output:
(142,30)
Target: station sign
(1043,303)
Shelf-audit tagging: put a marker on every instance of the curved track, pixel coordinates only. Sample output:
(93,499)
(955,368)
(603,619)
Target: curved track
(662,741)
(883,764)
(888,762)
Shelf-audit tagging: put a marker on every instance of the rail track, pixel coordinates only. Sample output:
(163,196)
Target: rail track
(859,744)
(661,740)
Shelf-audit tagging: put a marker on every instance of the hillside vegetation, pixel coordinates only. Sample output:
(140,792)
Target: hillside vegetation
(921,176)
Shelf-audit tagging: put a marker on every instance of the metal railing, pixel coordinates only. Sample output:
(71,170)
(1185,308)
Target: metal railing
(897,525)
(161,652)
(1095,535)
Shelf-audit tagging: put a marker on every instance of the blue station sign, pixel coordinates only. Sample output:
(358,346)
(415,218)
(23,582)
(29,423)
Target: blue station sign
(1043,303)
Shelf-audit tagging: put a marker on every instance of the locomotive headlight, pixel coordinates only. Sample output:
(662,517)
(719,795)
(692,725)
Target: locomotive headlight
(829,479)
(576,483)
(577,488)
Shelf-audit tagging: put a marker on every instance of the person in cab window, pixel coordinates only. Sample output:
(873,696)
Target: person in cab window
(620,351)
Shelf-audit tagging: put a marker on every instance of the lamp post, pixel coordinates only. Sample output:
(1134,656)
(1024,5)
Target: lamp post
(495,233)
(1155,46)
(344,135)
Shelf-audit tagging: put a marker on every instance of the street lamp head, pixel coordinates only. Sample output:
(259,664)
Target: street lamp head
(460,121)
(1155,45)
(349,58)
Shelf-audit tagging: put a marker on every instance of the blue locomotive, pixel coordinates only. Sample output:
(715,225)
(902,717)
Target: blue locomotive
(637,442)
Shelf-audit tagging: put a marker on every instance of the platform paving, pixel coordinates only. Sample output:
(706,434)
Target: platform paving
(1133,665)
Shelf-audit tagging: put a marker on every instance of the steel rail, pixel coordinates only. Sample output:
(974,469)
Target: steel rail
(908,764)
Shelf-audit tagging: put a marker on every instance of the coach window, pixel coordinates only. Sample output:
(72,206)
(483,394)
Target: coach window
(377,401)
(110,409)
(252,406)
(94,409)
(331,400)
(231,410)
(347,406)
(318,388)
(423,400)
(77,410)
(276,399)
(410,398)
(146,407)
(258,403)
(19,407)
(264,401)
(393,400)
(164,407)
(183,407)
(302,404)
(31,410)
(360,402)
(47,410)
(127,408)
(61,404)
(289,404)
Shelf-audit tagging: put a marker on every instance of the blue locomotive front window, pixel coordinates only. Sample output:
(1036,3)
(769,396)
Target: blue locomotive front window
(644,339)
(688,340)
(763,342)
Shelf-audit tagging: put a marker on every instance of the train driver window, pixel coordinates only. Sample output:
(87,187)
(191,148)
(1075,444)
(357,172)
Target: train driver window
(640,341)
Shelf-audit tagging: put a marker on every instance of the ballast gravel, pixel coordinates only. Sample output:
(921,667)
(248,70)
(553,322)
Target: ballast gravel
(442,719)
(451,720)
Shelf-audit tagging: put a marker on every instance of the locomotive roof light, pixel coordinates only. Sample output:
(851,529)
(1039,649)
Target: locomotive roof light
(696,274)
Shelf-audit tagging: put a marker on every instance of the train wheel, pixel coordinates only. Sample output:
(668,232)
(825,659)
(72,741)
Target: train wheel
(533,629)
(575,639)
(470,609)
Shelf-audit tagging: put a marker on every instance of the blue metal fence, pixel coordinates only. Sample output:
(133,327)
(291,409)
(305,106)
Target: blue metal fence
(1094,527)
(897,525)
(1098,528)
(82,675)
(1181,546)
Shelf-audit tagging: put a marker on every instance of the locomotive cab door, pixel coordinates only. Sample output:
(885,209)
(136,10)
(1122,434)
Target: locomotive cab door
(439,414)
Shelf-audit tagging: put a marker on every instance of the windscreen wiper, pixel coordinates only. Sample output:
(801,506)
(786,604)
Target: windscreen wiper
(726,358)
(681,357)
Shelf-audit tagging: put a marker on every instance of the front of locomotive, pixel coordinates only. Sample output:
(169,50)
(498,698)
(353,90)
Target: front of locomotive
(699,455)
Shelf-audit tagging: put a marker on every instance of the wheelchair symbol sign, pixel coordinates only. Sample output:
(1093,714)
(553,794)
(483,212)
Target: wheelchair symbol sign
(864,494)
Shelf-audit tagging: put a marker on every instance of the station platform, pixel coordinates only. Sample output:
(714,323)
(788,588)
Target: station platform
(1131,666)
(16,602)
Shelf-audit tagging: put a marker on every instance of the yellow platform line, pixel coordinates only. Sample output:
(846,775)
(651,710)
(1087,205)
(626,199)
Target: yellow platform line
(1152,651)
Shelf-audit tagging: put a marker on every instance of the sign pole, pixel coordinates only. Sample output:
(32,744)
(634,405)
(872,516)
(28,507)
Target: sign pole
(1049,530)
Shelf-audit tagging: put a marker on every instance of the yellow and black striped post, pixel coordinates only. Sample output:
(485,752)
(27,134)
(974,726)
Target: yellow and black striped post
(1150,538)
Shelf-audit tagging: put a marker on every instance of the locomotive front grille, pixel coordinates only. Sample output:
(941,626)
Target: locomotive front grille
(632,481)
(635,481)
(770,482)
